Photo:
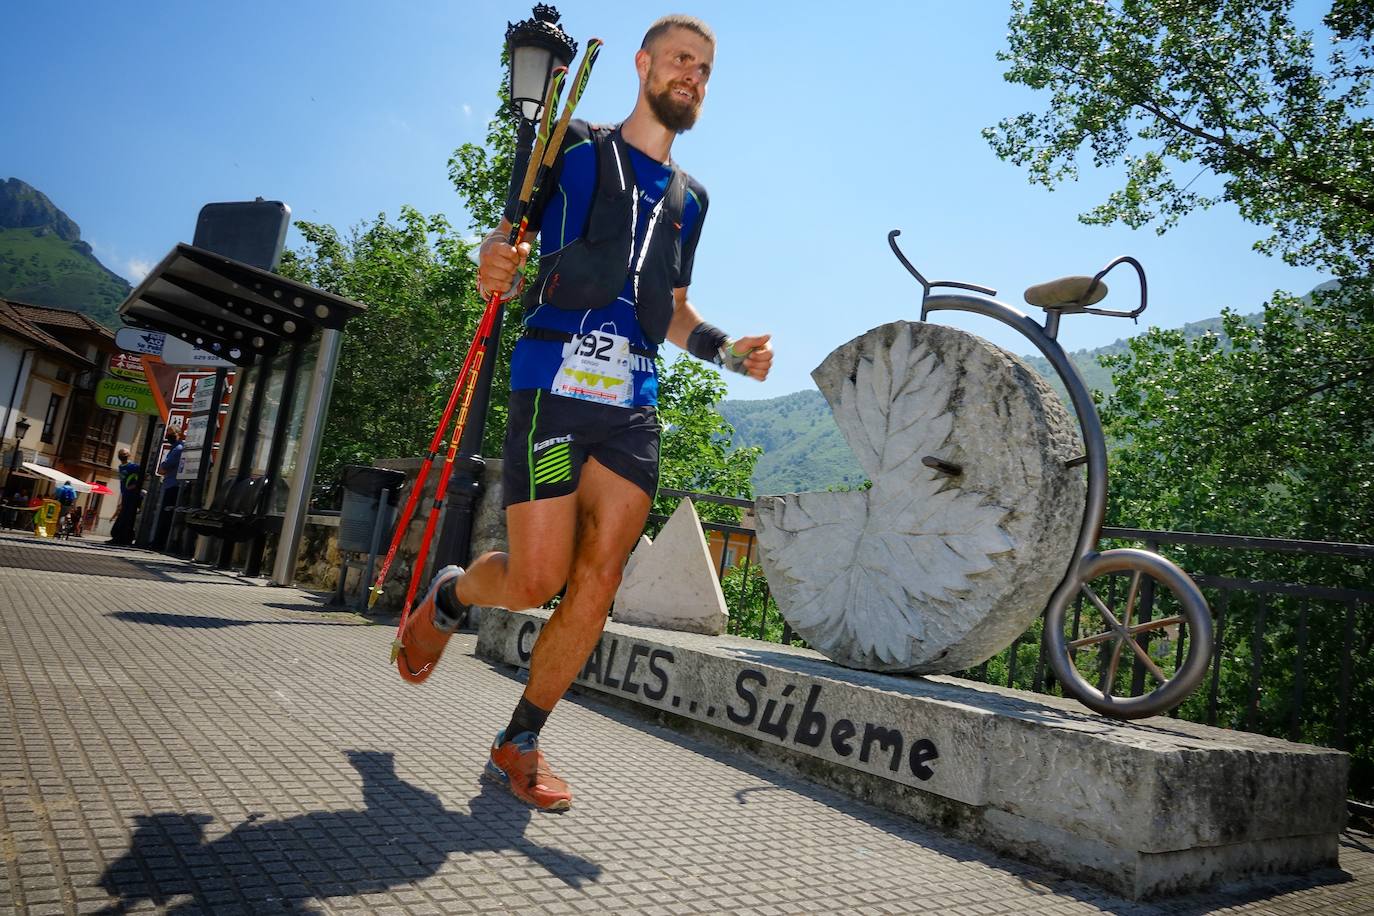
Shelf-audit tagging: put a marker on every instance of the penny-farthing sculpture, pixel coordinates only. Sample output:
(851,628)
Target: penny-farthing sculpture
(985,511)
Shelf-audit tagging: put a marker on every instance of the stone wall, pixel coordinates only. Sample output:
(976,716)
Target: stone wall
(319,560)
(1145,809)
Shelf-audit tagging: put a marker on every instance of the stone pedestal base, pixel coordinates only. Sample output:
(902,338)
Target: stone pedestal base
(1143,809)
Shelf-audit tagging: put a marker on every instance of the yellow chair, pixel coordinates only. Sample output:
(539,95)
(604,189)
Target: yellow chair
(45,519)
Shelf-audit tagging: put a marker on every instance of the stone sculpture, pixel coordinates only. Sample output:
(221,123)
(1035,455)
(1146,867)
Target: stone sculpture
(971,519)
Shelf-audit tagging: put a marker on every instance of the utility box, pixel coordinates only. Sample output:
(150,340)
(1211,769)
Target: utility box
(362,502)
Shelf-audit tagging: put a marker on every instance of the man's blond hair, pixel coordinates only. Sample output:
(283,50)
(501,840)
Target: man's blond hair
(677,21)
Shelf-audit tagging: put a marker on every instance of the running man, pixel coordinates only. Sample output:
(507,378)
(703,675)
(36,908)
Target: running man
(620,224)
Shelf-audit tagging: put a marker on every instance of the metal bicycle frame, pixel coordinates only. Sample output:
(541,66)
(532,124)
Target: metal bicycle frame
(1087,562)
(1094,441)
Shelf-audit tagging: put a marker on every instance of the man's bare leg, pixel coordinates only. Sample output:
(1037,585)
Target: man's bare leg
(540,534)
(611,512)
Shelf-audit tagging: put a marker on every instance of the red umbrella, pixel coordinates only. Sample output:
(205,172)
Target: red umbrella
(99,489)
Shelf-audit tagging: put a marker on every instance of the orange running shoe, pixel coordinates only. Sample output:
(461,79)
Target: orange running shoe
(422,642)
(522,766)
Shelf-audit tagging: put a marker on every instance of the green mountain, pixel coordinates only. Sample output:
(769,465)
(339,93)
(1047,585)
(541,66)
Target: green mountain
(44,261)
(802,447)
(803,450)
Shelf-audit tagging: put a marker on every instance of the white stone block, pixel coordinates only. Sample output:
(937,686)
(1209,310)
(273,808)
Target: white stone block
(671,583)
(1148,808)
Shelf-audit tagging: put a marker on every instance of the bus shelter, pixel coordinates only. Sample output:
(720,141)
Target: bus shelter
(284,339)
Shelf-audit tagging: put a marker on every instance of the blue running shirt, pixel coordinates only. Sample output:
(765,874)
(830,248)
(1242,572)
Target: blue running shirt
(559,221)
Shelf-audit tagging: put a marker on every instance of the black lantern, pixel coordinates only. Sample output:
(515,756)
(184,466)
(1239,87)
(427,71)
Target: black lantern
(21,429)
(536,46)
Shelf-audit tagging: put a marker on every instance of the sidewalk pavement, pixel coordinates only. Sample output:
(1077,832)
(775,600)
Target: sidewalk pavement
(178,739)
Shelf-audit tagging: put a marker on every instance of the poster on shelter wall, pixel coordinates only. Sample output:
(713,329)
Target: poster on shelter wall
(193,395)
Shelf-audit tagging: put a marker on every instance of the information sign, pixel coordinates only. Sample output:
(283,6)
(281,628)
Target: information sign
(171,350)
(183,391)
(126,395)
(126,366)
(195,431)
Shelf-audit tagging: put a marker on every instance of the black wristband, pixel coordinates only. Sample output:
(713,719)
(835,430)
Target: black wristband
(705,342)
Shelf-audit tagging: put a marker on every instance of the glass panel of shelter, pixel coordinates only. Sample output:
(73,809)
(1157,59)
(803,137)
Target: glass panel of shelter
(266,384)
(290,460)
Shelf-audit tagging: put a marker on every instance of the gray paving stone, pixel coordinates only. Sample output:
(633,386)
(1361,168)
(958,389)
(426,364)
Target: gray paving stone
(188,743)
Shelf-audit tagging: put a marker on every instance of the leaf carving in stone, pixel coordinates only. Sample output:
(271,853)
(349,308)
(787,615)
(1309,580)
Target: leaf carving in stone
(905,542)
(894,577)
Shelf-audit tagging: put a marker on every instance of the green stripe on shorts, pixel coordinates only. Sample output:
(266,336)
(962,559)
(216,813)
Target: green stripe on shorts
(533,423)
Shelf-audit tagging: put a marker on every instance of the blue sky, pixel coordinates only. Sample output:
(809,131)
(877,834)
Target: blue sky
(824,127)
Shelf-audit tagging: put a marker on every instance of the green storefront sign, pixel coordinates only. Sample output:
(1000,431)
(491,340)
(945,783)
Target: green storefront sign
(119,394)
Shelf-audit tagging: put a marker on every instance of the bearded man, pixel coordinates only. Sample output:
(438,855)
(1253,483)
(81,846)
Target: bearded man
(618,225)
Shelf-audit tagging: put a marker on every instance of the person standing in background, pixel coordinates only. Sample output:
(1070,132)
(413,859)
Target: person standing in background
(130,498)
(170,487)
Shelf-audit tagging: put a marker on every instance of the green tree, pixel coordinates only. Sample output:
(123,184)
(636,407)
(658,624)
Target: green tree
(697,451)
(753,612)
(400,355)
(1271,436)
(1175,89)
(1271,431)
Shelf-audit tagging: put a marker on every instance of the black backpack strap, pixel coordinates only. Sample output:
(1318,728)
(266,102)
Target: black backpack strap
(564,336)
(677,197)
(624,176)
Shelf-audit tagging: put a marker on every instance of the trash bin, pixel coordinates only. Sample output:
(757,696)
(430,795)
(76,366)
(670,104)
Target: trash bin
(45,519)
(362,500)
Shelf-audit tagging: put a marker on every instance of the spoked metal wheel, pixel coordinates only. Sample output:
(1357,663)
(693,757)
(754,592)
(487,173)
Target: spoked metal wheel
(1135,624)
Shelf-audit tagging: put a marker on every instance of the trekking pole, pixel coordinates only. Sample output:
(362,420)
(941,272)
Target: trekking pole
(403,522)
(549,144)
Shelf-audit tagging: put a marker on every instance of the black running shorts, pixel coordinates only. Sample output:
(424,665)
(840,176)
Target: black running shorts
(549,437)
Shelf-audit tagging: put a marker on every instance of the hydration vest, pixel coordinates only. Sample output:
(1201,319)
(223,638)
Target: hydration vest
(590,271)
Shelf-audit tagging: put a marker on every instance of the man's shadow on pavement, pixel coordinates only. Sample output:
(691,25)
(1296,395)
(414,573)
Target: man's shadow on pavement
(402,835)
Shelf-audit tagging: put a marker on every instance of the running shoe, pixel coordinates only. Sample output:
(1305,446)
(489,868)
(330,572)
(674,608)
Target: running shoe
(422,641)
(521,765)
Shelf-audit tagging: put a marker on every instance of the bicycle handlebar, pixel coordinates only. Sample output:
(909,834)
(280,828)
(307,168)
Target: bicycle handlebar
(927,285)
(1140,272)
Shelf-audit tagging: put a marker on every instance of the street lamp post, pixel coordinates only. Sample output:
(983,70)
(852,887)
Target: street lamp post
(21,429)
(535,47)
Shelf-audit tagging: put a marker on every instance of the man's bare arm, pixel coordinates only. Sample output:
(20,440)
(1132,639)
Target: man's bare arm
(755,352)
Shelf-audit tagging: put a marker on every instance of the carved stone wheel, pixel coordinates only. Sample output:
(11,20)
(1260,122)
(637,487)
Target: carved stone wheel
(971,520)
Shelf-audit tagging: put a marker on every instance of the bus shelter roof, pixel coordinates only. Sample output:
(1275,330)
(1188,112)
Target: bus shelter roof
(234,310)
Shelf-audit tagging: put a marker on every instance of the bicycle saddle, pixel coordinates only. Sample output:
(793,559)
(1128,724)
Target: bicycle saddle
(1066,293)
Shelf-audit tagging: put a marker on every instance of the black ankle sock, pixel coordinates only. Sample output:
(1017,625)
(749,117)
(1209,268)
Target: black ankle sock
(527,718)
(449,612)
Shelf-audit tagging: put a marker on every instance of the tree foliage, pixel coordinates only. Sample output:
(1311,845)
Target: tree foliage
(1270,435)
(697,451)
(401,354)
(1269,429)
(1175,89)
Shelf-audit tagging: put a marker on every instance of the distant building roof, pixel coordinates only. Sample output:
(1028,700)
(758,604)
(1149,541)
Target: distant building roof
(59,317)
(35,323)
